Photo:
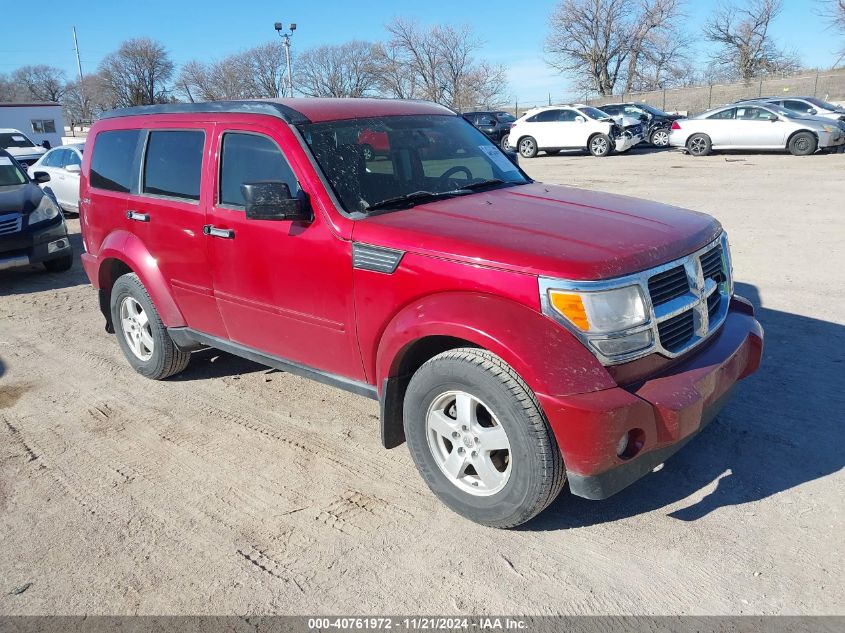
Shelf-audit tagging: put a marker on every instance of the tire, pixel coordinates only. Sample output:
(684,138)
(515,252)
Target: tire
(133,314)
(552,152)
(660,138)
(599,145)
(527,147)
(60,264)
(525,477)
(503,142)
(699,145)
(802,144)
(368,152)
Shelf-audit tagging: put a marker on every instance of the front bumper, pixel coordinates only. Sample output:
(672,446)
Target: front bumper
(664,412)
(28,247)
(627,141)
(831,139)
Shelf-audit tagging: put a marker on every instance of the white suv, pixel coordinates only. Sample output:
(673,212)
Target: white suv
(554,128)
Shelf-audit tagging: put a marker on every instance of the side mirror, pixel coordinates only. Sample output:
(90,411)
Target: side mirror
(812,111)
(580,119)
(72,169)
(272,200)
(513,156)
(46,145)
(41,177)
(774,117)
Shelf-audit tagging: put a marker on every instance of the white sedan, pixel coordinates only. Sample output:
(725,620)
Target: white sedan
(755,126)
(64,165)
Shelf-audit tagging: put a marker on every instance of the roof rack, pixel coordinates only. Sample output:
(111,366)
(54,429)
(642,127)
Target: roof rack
(269,108)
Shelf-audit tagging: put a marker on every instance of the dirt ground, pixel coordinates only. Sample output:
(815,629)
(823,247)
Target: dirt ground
(234,489)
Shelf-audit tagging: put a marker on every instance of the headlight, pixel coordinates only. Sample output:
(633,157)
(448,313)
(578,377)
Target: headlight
(601,312)
(828,128)
(46,210)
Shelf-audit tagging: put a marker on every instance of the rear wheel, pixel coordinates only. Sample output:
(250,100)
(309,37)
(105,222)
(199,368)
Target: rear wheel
(141,334)
(504,142)
(368,152)
(660,138)
(698,145)
(599,145)
(527,147)
(480,440)
(803,144)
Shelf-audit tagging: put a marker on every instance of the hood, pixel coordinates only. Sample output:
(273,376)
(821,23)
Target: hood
(20,198)
(26,151)
(546,230)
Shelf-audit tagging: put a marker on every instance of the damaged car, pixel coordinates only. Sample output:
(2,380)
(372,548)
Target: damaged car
(552,129)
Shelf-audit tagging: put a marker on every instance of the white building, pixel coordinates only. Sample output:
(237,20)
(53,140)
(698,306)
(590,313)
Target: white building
(38,121)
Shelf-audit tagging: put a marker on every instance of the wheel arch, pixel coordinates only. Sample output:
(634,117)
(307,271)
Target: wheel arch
(802,131)
(545,355)
(124,253)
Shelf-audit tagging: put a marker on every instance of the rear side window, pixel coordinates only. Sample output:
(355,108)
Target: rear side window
(724,114)
(545,116)
(173,163)
(111,163)
(72,158)
(251,158)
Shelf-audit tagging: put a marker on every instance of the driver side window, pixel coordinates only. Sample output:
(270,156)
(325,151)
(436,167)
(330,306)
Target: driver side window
(248,157)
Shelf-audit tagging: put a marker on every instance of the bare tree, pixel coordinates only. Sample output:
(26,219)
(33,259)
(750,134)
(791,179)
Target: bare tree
(392,73)
(266,69)
(746,49)
(439,64)
(137,73)
(600,42)
(346,70)
(8,89)
(40,82)
(655,38)
(84,101)
(834,12)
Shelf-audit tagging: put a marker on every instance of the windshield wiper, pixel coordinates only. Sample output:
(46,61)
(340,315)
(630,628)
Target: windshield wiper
(481,184)
(416,196)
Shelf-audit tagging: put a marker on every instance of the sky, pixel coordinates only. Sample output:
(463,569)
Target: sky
(512,32)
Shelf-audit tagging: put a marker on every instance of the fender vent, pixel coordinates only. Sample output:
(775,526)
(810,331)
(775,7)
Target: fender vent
(375,258)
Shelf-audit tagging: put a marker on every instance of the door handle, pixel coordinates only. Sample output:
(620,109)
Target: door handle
(213,231)
(138,217)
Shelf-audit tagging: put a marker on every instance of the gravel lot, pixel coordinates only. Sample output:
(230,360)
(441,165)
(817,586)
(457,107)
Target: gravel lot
(235,489)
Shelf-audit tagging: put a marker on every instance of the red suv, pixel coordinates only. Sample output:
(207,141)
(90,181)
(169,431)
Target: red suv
(516,334)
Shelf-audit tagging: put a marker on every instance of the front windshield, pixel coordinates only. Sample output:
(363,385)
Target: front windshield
(14,139)
(595,113)
(822,104)
(10,173)
(371,161)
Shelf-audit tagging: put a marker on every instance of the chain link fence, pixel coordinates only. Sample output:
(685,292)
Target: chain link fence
(824,84)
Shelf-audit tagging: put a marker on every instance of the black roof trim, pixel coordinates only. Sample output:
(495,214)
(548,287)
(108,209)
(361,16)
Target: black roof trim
(270,108)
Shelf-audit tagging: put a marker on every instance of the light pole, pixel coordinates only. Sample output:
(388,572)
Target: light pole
(280,29)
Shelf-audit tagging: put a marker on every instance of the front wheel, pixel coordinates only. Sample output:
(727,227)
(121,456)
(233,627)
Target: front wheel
(141,334)
(803,144)
(480,440)
(600,145)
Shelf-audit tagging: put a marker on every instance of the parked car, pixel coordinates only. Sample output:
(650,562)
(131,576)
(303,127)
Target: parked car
(555,128)
(63,164)
(517,335)
(754,125)
(373,144)
(494,125)
(806,106)
(20,146)
(32,228)
(656,122)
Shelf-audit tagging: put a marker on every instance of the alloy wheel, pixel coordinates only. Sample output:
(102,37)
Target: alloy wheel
(136,328)
(599,146)
(468,443)
(660,138)
(526,147)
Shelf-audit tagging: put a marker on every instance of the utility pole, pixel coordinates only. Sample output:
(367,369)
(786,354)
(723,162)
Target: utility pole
(286,43)
(78,62)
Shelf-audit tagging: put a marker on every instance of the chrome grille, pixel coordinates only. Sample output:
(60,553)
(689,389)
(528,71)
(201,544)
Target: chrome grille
(677,331)
(10,223)
(711,265)
(668,285)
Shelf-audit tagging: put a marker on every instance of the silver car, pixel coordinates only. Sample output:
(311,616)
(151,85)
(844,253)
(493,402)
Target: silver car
(754,125)
(63,164)
(807,106)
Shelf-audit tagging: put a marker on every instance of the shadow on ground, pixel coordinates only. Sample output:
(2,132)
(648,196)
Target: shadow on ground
(212,363)
(782,428)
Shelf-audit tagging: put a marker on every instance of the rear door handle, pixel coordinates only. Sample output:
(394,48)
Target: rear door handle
(138,217)
(213,231)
